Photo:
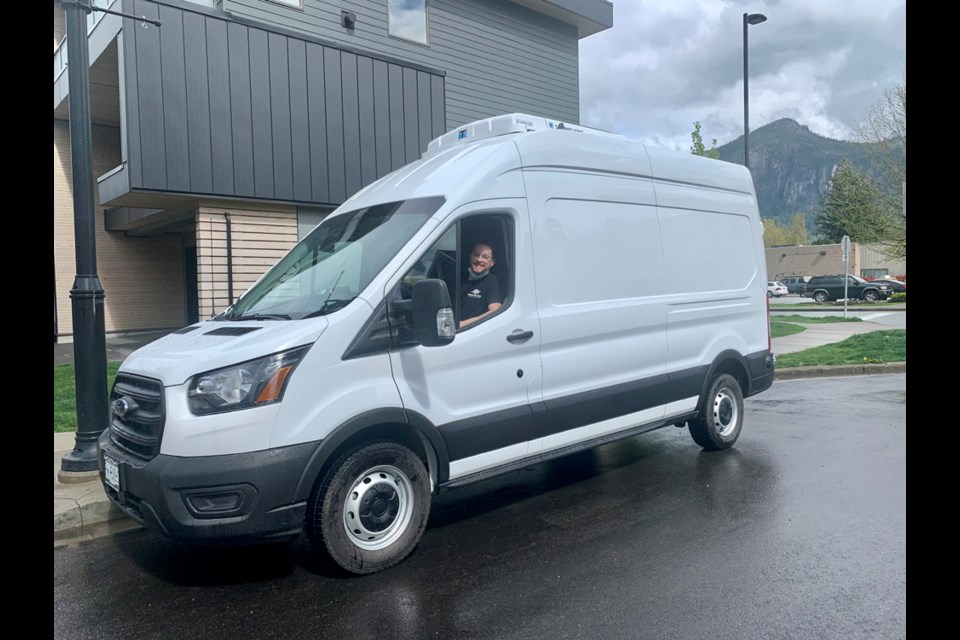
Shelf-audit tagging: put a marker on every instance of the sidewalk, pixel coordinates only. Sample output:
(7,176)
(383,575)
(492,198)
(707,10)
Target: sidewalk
(81,510)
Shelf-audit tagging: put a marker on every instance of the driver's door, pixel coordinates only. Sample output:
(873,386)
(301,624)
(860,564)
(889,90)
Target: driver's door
(478,389)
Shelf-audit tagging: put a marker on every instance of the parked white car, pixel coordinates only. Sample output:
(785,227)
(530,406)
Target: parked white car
(775,290)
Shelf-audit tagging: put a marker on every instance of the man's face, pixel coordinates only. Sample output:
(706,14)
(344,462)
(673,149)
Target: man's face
(481,258)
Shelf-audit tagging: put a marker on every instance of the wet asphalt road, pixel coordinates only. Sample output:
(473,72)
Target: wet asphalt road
(797,532)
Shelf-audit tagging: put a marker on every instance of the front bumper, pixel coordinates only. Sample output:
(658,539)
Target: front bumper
(237,498)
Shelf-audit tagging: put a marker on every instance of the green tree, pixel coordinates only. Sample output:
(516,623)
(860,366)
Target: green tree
(798,228)
(850,207)
(884,130)
(697,147)
(794,233)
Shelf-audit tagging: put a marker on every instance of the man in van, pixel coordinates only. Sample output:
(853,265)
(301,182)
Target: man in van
(480,291)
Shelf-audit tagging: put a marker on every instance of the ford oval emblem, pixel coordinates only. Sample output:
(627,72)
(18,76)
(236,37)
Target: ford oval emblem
(121,407)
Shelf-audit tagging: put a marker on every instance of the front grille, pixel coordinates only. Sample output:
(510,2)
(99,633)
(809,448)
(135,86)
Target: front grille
(139,431)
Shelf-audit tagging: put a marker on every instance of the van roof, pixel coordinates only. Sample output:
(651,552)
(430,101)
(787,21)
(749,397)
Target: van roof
(510,123)
(468,159)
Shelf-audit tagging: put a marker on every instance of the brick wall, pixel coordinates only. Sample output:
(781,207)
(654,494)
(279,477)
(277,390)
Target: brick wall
(812,260)
(142,278)
(827,259)
(259,237)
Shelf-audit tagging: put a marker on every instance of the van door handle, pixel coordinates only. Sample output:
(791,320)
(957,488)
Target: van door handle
(519,336)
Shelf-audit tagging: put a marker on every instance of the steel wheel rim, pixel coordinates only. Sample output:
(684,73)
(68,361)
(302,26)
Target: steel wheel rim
(726,412)
(378,507)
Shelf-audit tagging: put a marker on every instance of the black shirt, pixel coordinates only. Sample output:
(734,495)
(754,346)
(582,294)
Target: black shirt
(477,295)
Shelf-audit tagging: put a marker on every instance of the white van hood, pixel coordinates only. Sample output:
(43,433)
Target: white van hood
(209,345)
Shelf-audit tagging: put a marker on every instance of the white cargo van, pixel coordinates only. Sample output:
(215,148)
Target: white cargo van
(341,390)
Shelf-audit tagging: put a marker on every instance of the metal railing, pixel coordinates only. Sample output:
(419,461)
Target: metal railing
(93,18)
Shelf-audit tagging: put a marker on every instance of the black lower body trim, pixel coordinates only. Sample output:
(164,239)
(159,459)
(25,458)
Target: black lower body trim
(564,451)
(481,434)
(761,367)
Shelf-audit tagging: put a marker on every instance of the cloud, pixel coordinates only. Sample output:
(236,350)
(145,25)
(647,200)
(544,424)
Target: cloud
(668,63)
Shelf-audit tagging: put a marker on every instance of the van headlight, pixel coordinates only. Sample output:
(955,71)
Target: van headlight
(241,386)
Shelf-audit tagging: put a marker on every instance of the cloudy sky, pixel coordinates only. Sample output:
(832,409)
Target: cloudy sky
(668,63)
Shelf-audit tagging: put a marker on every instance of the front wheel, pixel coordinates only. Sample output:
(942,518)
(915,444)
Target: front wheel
(371,509)
(720,415)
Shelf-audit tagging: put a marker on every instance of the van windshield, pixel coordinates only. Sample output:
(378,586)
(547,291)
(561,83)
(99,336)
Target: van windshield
(334,263)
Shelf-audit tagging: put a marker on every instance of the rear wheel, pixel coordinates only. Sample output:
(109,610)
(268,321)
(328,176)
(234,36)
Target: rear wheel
(820,296)
(720,415)
(871,295)
(372,507)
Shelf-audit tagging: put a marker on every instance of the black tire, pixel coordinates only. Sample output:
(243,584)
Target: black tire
(383,490)
(871,295)
(769,293)
(719,415)
(820,296)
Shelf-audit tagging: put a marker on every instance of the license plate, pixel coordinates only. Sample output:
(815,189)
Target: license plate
(111,472)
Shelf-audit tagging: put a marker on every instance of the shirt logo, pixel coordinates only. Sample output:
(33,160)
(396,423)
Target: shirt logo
(475,294)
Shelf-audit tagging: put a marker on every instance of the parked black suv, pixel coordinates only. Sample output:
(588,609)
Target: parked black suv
(825,288)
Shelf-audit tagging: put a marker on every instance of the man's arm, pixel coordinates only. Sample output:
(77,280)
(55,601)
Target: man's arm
(493,306)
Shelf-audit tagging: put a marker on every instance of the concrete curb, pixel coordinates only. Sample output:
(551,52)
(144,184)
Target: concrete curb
(792,373)
(81,510)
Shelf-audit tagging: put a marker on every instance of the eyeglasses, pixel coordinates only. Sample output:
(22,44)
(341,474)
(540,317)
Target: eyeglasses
(482,256)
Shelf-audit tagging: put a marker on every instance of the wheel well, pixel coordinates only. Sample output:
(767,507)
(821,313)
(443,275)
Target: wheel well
(393,431)
(736,369)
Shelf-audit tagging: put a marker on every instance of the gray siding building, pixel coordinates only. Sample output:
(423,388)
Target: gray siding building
(225,134)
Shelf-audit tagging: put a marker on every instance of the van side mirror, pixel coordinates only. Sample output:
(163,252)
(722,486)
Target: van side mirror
(433,322)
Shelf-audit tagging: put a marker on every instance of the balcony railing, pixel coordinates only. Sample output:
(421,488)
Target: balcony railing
(60,55)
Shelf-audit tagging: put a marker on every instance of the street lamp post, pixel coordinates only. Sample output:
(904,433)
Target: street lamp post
(87,295)
(748,19)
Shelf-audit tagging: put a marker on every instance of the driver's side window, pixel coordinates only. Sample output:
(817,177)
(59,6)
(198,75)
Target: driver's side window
(439,261)
(449,260)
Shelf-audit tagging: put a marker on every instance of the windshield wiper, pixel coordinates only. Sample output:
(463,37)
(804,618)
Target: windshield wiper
(330,306)
(262,316)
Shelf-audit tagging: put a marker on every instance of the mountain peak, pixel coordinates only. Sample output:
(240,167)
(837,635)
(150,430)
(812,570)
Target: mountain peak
(786,125)
(791,166)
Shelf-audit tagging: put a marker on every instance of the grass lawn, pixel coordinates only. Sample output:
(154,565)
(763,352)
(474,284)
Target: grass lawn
(780,329)
(65,395)
(865,348)
(784,325)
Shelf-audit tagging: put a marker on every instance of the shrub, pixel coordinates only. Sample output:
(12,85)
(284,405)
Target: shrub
(898,297)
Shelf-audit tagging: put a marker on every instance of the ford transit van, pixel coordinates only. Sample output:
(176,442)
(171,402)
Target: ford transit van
(621,288)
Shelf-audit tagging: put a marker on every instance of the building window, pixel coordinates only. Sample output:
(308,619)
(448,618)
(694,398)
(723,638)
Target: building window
(407,19)
(296,4)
